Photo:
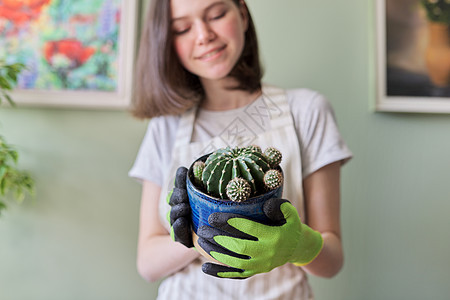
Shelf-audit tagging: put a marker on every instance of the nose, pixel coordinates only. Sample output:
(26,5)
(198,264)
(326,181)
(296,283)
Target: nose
(205,34)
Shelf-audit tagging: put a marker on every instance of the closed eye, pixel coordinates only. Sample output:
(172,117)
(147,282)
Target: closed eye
(217,17)
(180,32)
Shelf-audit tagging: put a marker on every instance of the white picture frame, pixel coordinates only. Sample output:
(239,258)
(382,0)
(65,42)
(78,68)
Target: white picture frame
(391,95)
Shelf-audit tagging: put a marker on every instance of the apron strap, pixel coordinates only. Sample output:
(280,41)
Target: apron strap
(186,127)
(277,105)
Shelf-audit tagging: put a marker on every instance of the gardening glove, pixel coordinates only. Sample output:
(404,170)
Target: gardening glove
(180,210)
(247,247)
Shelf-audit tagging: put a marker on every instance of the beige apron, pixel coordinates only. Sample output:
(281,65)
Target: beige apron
(281,134)
(284,282)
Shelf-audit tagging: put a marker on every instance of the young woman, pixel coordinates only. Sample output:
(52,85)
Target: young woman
(199,80)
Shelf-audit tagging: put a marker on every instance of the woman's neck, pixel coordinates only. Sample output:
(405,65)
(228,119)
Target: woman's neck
(218,96)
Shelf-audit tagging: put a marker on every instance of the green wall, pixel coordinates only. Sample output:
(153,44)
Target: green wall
(77,238)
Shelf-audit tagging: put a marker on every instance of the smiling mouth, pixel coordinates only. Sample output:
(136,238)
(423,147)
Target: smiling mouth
(212,53)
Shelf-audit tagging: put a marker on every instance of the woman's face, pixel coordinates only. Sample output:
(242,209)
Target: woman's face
(209,35)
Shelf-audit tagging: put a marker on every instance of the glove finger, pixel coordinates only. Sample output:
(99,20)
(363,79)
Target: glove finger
(243,262)
(169,195)
(272,209)
(178,211)
(221,242)
(180,178)
(208,233)
(212,246)
(220,221)
(178,196)
(221,271)
(182,232)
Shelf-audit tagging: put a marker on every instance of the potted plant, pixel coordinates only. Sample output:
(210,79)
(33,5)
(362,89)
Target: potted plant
(14,183)
(437,54)
(233,180)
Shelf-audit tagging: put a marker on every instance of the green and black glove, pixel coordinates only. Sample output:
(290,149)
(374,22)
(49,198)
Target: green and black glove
(180,210)
(247,247)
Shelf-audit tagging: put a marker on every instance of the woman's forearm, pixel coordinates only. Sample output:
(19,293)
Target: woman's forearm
(159,256)
(330,260)
(322,201)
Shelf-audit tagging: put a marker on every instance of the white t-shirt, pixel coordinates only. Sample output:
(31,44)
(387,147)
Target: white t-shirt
(320,144)
(317,131)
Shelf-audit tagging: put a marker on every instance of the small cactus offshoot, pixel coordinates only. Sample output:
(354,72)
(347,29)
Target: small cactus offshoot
(273,156)
(197,169)
(238,189)
(273,179)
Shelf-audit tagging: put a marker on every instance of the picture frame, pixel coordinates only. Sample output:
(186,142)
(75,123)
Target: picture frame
(83,52)
(406,81)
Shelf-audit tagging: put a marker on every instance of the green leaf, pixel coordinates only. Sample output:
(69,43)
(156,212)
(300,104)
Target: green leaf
(13,182)
(2,207)
(4,84)
(13,155)
(3,187)
(3,170)
(12,75)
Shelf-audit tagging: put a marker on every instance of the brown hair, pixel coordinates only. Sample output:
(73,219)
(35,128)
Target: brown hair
(162,85)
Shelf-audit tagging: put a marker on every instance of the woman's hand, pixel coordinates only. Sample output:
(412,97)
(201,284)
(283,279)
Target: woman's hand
(158,255)
(180,210)
(249,247)
(322,201)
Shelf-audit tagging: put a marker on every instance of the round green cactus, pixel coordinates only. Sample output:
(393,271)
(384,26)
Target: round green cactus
(255,147)
(273,156)
(227,163)
(238,189)
(273,179)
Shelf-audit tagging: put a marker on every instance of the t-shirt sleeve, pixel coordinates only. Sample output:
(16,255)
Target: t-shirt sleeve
(155,151)
(320,140)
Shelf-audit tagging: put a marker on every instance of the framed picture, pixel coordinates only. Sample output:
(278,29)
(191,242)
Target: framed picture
(77,53)
(413,55)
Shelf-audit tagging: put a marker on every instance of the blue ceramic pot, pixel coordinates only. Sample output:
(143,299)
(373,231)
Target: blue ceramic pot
(202,205)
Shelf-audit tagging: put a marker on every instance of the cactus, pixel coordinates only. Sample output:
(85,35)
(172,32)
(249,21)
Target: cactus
(238,173)
(228,163)
(197,169)
(255,148)
(273,157)
(273,179)
(238,189)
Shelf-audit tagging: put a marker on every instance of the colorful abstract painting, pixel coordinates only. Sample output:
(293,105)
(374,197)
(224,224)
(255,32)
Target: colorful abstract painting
(65,44)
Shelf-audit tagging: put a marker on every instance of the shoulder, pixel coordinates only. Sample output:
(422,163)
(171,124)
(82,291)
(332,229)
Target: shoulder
(163,126)
(155,151)
(161,132)
(164,122)
(303,101)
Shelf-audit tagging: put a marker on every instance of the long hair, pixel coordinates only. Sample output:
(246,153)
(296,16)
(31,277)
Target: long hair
(162,85)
